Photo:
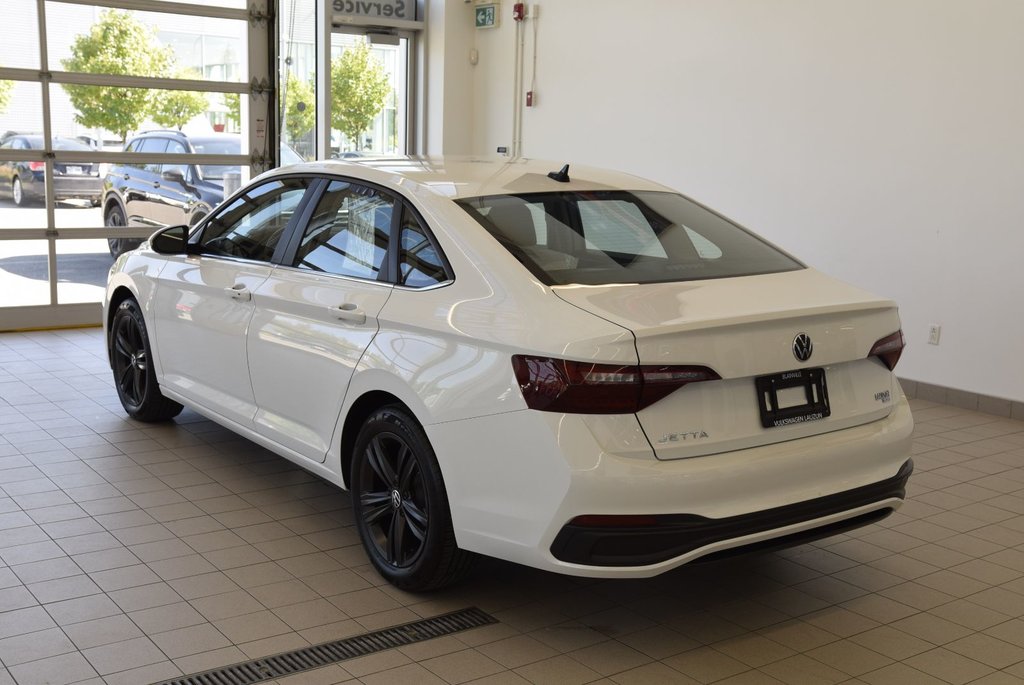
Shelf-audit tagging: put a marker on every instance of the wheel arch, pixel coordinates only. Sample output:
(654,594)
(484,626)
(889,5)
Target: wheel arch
(120,294)
(361,409)
(113,199)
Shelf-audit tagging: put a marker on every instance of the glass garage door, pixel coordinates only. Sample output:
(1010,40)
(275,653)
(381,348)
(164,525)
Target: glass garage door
(117,118)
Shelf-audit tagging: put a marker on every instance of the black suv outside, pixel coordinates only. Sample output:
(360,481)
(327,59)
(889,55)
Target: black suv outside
(158,195)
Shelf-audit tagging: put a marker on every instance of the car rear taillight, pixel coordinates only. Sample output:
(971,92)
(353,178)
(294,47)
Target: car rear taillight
(36,166)
(889,349)
(572,387)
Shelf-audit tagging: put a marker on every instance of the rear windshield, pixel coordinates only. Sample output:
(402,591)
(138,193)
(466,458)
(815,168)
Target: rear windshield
(36,143)
(600,237)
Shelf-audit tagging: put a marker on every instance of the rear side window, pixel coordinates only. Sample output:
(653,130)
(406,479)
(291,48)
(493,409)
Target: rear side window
(601,237)
(419,263)
(348,232)
(174,147)
(152,145)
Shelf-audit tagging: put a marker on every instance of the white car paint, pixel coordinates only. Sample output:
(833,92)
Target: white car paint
(305,339)
(275,364)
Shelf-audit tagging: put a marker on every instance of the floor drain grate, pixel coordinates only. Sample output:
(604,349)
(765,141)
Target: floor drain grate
(308,658)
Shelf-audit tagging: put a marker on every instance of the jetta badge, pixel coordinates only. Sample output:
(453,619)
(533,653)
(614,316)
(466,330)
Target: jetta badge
(802,347)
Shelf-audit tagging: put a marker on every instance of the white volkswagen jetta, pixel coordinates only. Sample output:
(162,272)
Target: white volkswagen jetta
(579,370)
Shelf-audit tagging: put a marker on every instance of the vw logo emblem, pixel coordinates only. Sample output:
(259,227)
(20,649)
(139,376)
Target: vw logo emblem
(802,347)
(396,499)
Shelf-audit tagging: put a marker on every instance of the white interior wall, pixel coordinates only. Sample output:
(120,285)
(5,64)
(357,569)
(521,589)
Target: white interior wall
(881,141)
(447,100)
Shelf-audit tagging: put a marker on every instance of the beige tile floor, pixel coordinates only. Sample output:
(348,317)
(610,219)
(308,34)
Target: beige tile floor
(130,553)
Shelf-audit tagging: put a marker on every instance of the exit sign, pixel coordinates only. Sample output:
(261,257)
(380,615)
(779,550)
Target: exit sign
(487,16)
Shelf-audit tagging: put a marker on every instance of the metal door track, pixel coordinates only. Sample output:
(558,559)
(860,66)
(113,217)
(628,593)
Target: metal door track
(308,658)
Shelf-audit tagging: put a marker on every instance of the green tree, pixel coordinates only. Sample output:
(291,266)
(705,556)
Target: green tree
(359,89)
(299,107)
(175,108)
(233,104)
(116,44)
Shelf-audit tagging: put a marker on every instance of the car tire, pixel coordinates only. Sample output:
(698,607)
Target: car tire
(114,218)
(131,360)
(401,507)
(18,193)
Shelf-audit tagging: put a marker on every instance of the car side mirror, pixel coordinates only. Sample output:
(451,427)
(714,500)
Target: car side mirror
(171,240)
(173,175)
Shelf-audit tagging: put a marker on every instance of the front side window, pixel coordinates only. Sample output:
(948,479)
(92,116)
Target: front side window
(348,233)
(251,226)
(153,146)
(614,236)
(419,262)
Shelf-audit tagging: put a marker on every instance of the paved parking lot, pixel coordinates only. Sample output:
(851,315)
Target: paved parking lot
(82,265)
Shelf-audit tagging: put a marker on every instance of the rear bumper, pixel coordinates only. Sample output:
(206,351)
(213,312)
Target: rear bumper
(515,482)
(672,535)
(77,187)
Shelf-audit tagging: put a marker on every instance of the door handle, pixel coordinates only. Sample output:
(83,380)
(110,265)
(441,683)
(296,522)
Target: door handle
(349,312)
(239,292)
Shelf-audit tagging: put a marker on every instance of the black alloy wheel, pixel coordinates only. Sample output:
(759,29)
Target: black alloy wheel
(131,361)
(393,501)
(400,504)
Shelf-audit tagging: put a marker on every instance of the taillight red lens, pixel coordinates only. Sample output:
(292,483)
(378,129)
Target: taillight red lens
(36,166)
(572,387)
(889,349)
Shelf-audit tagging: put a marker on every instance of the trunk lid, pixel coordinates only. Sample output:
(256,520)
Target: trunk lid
(744,328)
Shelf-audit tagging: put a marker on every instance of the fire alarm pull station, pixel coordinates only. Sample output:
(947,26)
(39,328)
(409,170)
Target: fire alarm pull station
(519,11)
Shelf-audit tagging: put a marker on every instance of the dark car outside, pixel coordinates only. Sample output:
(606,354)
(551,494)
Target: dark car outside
(25,182)
(157,195)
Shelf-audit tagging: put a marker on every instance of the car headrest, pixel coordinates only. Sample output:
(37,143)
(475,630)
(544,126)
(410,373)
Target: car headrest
(514,219)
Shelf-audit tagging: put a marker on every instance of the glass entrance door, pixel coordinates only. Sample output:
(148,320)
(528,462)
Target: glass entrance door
(369,94)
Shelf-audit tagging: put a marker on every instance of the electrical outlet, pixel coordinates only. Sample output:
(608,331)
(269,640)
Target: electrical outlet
(934,331)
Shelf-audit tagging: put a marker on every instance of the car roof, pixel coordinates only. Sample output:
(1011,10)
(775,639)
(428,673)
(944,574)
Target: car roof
(462,176)
(170,132)
(36,139)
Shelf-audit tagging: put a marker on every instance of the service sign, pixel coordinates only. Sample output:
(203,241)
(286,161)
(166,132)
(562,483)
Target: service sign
(376,9)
